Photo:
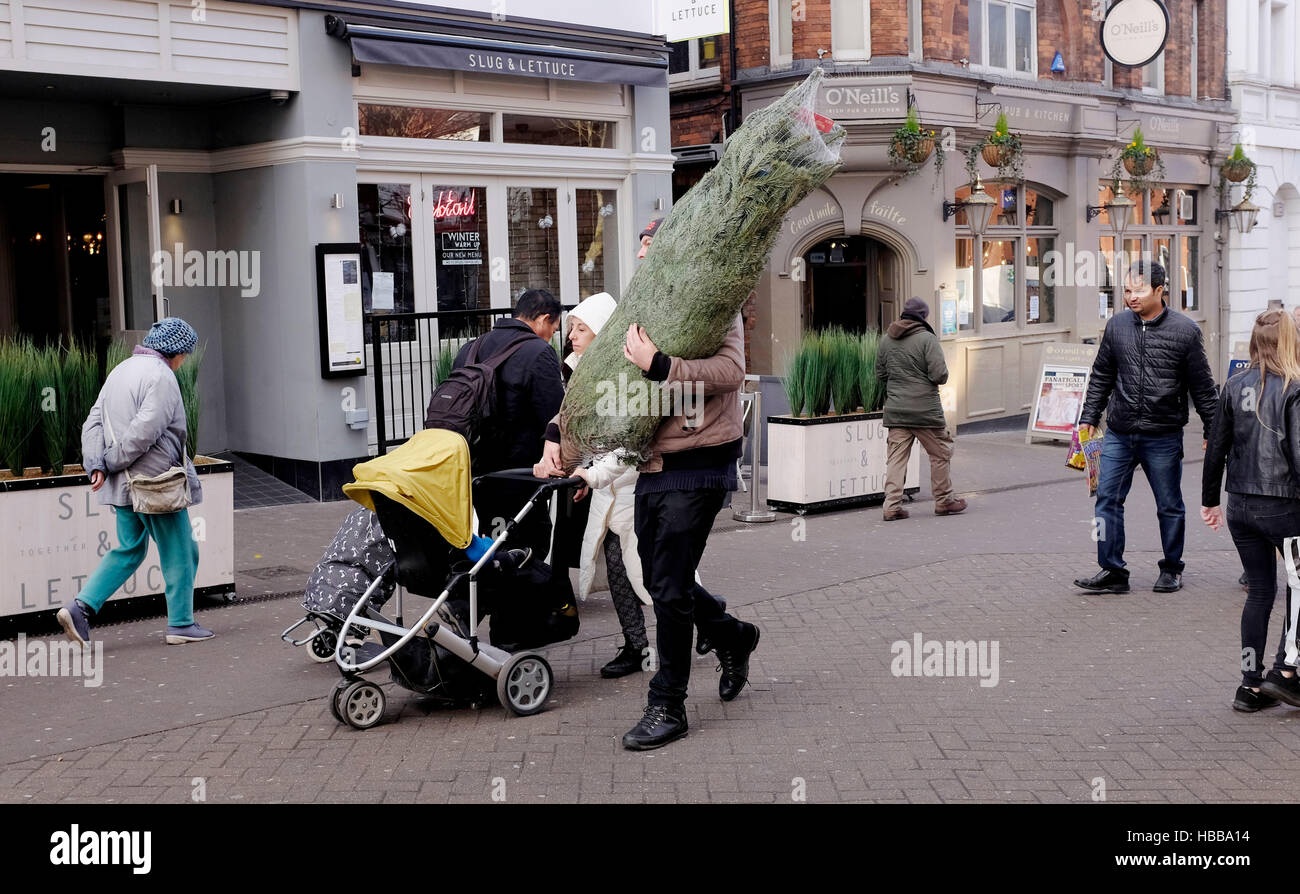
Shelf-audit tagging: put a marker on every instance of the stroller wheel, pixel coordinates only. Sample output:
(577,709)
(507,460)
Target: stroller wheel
(362,704)
(335,694)
(322,645)
(525,683)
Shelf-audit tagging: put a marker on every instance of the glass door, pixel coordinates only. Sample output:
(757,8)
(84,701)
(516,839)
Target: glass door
(138,271)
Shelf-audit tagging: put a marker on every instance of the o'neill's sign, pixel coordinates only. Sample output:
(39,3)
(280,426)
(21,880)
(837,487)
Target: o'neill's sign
(1134,32)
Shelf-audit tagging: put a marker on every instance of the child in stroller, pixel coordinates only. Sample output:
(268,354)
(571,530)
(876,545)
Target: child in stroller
(420,494)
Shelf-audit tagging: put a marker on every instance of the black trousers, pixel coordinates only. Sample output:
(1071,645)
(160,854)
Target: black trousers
(496,501)
(1258,525)
(672,529)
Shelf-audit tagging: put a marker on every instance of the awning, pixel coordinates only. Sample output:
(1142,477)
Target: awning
(385,45)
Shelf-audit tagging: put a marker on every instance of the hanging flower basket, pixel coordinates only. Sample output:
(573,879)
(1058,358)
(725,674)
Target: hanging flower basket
(1237,171)
(996,156)
(919,152)
(1139,166)
(911,146)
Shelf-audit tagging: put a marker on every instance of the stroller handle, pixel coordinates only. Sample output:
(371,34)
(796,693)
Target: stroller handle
(527,475)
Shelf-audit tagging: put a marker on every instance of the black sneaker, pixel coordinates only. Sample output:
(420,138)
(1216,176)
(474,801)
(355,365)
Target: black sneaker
(1249,701)
(1168,582)
(1108,580)
(1284,689)
(734,663)
(658,726)
(629,660)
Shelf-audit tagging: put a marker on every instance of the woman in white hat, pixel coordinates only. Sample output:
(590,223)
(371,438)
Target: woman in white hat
(610,534)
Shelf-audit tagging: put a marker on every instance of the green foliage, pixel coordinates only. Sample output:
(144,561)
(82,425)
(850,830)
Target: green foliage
(706,258)
(45,447)
(18,410)
(793,381)
(870,387)
(911,146)
(81,381)
(845,359)
(1000,127)
(817,374)
(118,350)
(1238,155)
(187,377)
(446,357)
(913,122)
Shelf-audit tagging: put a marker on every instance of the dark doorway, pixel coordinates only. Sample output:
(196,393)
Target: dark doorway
(53,258)
(852,282)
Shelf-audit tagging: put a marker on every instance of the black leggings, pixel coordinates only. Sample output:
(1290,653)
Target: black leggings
(1258,526)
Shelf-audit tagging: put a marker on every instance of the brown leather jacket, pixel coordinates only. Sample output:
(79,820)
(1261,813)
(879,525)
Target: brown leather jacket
(721,377)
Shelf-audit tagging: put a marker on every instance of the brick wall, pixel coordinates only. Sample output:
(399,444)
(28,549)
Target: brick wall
(1063,25)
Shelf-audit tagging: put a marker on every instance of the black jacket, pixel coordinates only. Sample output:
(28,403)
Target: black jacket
(1262,451)
(529,392)
(1149,368)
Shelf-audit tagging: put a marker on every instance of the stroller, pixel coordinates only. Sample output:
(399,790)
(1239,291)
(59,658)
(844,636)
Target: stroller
(358,554)
(421,495)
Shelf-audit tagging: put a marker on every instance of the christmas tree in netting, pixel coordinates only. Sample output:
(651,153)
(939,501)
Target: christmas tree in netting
(705,260)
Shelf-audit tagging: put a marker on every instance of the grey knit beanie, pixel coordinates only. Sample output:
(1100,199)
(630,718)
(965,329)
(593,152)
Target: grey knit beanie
(171,335)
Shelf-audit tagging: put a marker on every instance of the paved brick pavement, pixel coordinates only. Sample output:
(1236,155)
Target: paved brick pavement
(1132,690)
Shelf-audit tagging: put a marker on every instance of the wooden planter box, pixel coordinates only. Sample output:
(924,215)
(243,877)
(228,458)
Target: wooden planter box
(830,462)
(56,531)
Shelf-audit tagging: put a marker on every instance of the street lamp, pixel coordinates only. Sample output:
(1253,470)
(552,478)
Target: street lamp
(1243,216)
(1120,210)
(979,208)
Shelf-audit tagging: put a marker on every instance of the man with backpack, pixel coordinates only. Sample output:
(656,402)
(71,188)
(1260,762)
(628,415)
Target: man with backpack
(525,391)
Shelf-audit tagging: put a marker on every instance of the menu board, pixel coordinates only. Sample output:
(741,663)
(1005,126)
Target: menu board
(338,290)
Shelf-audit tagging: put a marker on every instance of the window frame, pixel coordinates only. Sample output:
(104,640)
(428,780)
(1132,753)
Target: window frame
(1157,66)
(694,74)
(1177,232)
(855,55)
(774,34)
(1020,233)
(1011,70)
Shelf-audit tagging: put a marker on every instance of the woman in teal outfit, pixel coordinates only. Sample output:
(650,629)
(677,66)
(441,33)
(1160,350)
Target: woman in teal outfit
(138,424)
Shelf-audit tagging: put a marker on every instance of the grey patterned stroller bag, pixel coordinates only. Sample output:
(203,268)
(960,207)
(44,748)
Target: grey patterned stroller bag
(359,553)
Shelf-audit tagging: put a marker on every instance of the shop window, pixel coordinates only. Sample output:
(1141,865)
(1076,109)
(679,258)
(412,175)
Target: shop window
(695,60)
(780,16)
(965,283)
(387,272)
(541,131)
(998,281)
(1040,289)
(850,30)
(1187,276)
(460,248)
(1110,289)
(1039,209)
(419,123)
(534,240)
(1007,282)
(597,242)
(1004,35)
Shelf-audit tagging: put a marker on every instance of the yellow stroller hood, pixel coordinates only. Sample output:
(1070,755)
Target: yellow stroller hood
(429,475)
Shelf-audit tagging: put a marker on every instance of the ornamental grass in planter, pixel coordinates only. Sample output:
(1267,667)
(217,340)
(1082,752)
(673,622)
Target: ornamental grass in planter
(835,369)
(47,392)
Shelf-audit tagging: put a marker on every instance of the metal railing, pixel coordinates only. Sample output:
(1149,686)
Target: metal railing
(405,349)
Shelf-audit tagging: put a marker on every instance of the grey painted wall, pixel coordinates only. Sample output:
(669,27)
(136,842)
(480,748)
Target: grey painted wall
(200,306)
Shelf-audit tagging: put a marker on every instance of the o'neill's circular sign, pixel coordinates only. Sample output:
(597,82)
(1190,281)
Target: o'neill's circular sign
(1134,31)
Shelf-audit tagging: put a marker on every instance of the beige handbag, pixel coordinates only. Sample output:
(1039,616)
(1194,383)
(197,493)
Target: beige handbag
(159,494)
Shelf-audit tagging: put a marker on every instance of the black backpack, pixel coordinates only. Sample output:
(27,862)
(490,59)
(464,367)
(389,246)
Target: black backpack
(466,401)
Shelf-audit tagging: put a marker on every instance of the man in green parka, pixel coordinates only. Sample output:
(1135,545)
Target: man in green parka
(911,367)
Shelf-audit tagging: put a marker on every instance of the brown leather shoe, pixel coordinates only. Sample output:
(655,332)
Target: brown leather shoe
(951,507)
(895,514)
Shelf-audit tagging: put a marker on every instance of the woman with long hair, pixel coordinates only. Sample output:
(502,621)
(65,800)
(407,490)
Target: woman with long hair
(1256,434)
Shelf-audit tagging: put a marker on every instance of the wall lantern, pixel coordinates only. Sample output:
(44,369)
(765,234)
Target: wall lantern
(1120,210)
(979,208)
(1244,216)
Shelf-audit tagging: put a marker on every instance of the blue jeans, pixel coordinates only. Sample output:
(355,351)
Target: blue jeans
(1161,458)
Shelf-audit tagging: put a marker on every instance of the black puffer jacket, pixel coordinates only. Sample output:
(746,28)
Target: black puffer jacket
(529,392)
(1145,370)
(1262,451)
